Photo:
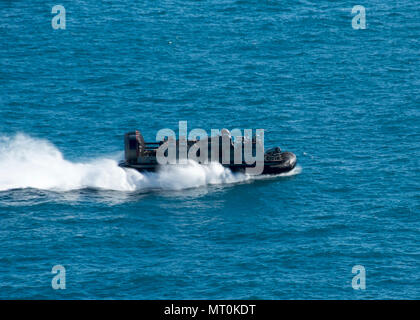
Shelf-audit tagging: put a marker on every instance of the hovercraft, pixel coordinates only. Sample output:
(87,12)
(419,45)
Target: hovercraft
(143,156)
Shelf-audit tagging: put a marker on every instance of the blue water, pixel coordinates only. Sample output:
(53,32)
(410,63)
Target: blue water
(345,101)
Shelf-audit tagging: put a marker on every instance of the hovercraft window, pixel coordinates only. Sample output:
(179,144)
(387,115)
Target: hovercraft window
(133,144)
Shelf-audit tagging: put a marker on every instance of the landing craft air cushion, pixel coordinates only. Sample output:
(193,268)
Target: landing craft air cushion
(143,156)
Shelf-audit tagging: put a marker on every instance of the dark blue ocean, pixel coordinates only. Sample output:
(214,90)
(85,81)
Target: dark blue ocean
(345,101)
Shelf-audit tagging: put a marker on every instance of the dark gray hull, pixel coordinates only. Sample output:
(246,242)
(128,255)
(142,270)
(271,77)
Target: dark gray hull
(286,163)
